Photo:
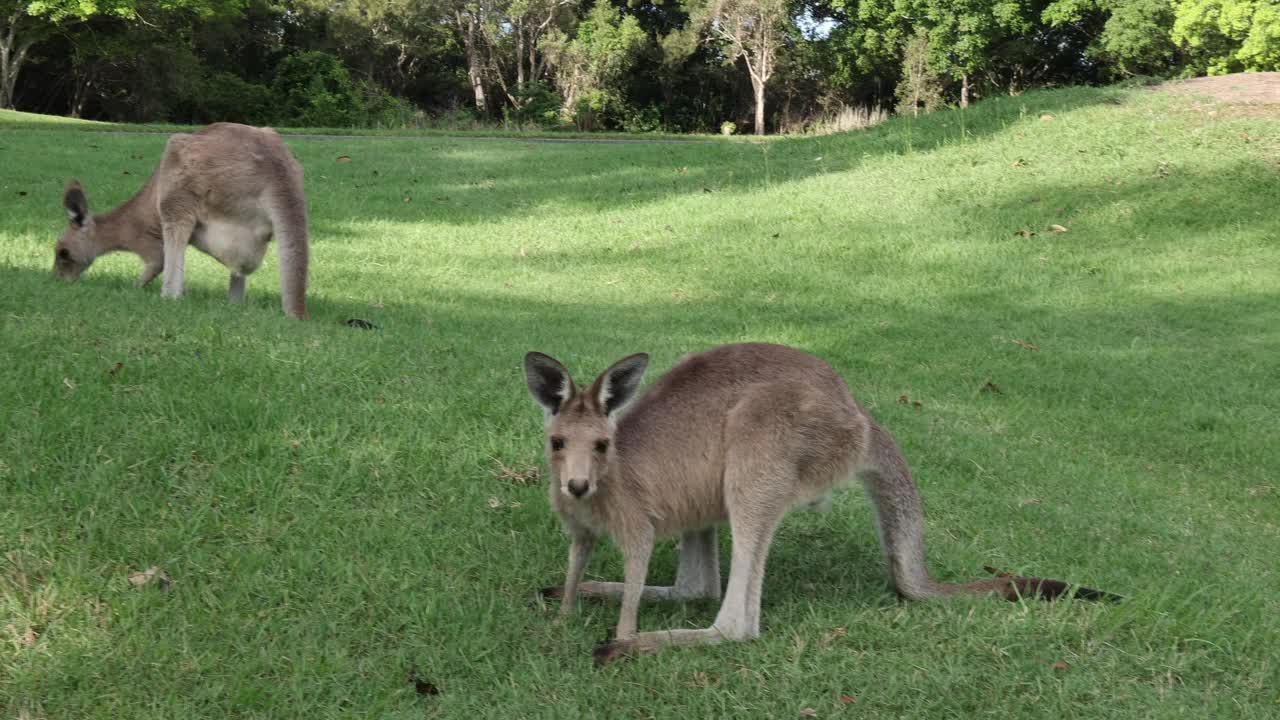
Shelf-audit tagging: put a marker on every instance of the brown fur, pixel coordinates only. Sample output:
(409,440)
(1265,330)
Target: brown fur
(738,434)
(227,190)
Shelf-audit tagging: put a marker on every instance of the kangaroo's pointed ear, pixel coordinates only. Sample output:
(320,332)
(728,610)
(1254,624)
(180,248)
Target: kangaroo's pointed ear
(76,203)
(548,380)
(616,386)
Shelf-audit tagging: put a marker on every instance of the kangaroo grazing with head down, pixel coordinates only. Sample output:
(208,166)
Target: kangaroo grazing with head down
(227,189)
(739,433)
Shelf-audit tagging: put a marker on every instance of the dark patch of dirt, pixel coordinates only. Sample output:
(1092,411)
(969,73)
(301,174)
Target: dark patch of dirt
(1249,94)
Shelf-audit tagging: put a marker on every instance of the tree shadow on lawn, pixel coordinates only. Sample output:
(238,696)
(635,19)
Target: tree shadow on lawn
(465,182)
(455,180)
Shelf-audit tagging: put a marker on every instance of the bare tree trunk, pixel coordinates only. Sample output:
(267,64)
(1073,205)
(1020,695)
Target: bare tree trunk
(534,69)
(520,54)
(964,90)
(759,88)
(82,87)
(12,54)
(467,24)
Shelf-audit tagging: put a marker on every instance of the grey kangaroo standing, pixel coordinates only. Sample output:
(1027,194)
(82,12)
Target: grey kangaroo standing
(227,190)
(739,433)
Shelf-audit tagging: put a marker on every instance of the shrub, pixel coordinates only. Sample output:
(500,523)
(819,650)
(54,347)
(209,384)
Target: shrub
(228,98)
(644,120)
(314,90)
(383,110)
(539,104)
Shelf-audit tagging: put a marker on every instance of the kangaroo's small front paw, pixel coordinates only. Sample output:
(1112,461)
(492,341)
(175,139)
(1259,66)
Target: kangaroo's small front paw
(609,652)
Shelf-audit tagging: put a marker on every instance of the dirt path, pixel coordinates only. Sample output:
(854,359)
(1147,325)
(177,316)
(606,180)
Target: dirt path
(1250,94)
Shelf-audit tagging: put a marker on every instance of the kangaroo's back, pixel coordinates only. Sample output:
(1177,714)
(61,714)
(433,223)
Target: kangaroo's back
(744,403)
(232,166)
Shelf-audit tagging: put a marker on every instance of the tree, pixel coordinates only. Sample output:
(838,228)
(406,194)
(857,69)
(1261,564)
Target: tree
(751,30)
(23,23)
(590,68)
(1224,36)
(920,85)
(1135,36)
(469,18)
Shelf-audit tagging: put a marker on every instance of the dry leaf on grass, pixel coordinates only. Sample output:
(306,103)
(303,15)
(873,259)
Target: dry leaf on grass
(115,368)
(1057,228)
(527,476)
(1046,117)
(26,638)
(1020,343)
(1060,665)
(828,638)
(344,158)
(808,712)
(1024,344)
(848,699)
(151,575)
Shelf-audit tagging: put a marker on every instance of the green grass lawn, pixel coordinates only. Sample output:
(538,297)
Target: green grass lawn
(16,120)
(342,512)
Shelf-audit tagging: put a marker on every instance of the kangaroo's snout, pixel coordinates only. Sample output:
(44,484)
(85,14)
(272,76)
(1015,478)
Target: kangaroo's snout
(578,488)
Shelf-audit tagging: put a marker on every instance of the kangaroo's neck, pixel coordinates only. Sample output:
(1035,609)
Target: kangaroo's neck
(135,223)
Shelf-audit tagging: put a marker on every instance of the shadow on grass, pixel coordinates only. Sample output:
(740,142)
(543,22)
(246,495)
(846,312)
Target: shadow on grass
(460,181)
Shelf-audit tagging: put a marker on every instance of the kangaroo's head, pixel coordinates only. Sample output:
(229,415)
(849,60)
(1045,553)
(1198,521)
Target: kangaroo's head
(75,250)
(579,423)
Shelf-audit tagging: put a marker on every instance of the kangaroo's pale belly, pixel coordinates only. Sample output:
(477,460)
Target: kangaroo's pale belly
(240,244)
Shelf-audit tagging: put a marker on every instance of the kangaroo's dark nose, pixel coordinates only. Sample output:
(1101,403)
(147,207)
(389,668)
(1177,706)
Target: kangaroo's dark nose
(577,488)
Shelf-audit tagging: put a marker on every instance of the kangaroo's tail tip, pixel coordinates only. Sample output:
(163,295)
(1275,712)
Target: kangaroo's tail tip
(1049,589)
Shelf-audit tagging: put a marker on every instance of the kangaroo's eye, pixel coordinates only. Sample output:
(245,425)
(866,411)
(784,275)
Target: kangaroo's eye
(557,444)
(602,446)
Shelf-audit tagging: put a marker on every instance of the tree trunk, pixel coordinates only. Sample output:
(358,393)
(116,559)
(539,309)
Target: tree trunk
(467,25)
(82,87)
(12,54)
(520,54)
(964,90)
(759,88)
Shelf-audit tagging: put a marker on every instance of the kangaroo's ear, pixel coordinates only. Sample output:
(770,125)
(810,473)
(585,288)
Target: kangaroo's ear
(76,203)
(548,381)
(616,386)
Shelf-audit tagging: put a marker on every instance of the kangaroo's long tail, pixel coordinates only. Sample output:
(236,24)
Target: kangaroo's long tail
(289,221)
(900,518)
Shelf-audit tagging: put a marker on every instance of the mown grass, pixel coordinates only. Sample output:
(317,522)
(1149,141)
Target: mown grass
(330,503)
(17,120)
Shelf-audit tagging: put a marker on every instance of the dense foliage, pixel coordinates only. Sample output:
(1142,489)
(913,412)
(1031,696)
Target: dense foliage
(678,65)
